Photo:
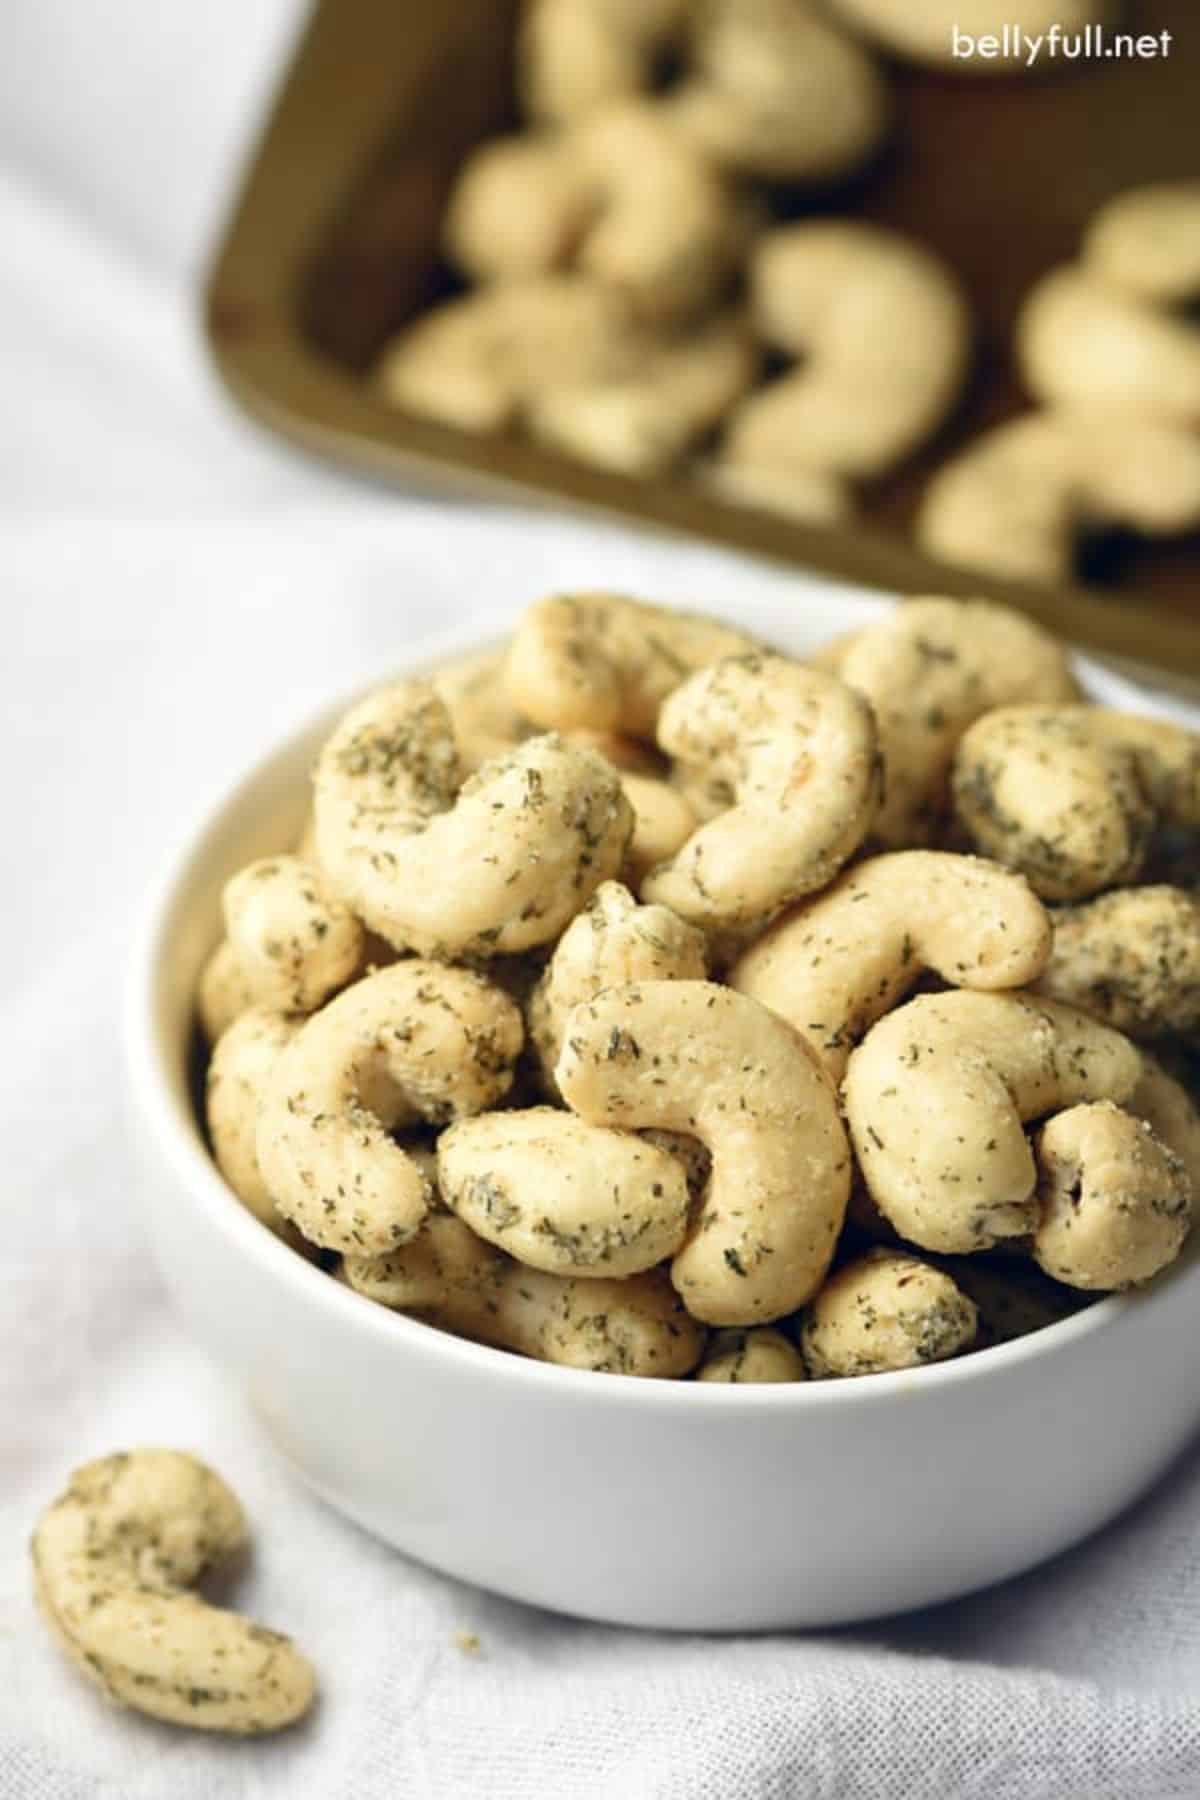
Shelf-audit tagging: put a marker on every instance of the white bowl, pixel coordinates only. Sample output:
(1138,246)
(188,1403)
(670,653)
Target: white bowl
(655,1503)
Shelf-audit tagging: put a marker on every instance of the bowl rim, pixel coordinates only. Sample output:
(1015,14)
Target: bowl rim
(177,1133)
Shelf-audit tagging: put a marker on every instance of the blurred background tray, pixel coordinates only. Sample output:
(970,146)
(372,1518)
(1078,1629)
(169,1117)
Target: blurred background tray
(333,245)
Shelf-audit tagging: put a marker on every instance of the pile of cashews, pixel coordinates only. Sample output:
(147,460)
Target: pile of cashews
(646,1001)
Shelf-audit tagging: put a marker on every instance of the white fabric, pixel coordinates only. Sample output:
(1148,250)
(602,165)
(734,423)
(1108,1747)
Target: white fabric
(175,586)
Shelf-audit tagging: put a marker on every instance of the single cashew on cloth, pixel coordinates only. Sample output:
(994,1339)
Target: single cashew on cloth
(497,864)
(694,1057)
(840,961)
(114,1559)
(887,1310)
(937,1097)
(797,751)
(416,1041)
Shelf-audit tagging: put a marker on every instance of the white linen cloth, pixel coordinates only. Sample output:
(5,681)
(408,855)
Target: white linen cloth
(175,588)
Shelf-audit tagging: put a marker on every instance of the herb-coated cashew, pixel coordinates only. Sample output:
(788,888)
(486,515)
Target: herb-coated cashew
(483,718)
(926,33)
(929,668)
(574,56)
(755,1355)
(1081,342)
(114,1559)
(295,940)
(613,942)
(1071,795)
(888,1310)
(1017,500)
(223,991)
(840,961)
(242,1060)
(607,663)
(798,749)
(1131,958)
(495,867)
(564,1196)
(1114,1203)
(1165,1105)
(414,1041)
(1146,242)
(694,1057)
(937,1095)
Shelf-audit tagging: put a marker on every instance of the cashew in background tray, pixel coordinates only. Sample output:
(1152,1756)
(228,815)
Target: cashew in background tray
(758,1354)
(1146,242)
(114,1558)
(936,1099)
(414,1041)
(1072,795)
(796,749)
(842,960)
(925,32)
(574,56)
(1131,958)
(496,866)
(694,1057)
(887,1310)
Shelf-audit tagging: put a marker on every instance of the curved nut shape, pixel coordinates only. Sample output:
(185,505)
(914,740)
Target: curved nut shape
(756,1355)
(296,942)
(1115,1204)
(810,496)
(492,868)
(926,33)
(774,91)
(560,1195)
(837,964)
(1017,500)
(114,1558)
(222,993)
(607,663)
(798,749)
(888,1310)
(1071,795)
(574,56)
(1147,243)
(884,331)
(929,668)
(613,942)
(936,1097)
(1131,958)
(242,1061)
(1080,342)
(1168,1109)
(415,1041)
(694,1057)
(483,718)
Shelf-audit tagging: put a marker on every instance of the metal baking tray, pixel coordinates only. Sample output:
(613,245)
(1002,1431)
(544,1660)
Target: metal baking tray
(332,245)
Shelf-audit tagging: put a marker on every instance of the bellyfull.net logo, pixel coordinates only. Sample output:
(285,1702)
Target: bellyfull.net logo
(1012,43)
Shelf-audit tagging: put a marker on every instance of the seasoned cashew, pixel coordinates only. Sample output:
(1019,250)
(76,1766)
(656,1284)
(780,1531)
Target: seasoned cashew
(1146,242)
(926,33)
(484,720)
(888,1310)
(415,1041)
(1114,1203)
(1167,1108)
(1131,958)
(936,1097)
(929,668)
(839,962)
(560,1195)
(1080,342)
(759,1354)
(495,867)
(607,663)
(574,56)
(694,1057)
(1071,795)
(223,991)
(1016,501)
(114,1558)
(773,90)
(663,821)
(797,748)
(295,940)
(242,1060)
(884,332)
(613,942)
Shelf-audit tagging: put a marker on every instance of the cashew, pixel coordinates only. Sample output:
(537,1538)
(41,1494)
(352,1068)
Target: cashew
(560,1195)
(607,663)
(1167,1108)
(883,329)
(663,821)
(1115,1203)
(929,668)
(774,91)
(841,961)
(694,1057)
(798,749)
(223,991)
(925,33)
(613,942)
(937,1094)
(1146,242)
(888,1310)
(1080,342)
(296,942)
(415,1041)
(1131,958)
(757,1355)
(1071,795)
(484,720)
(574,56)
(495,867)
(242,1060)
(1016,500)
(113,1560)
(810,496)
